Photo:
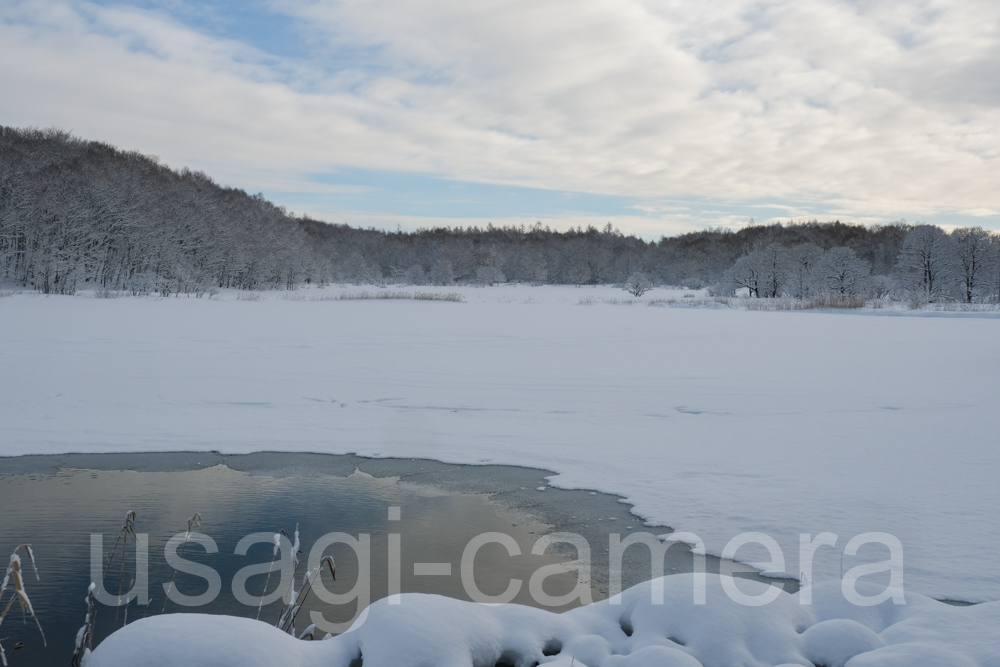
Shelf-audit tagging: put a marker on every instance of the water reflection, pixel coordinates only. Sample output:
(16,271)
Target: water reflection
(57,513)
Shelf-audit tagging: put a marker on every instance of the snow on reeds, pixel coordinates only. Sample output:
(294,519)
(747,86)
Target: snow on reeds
(958,307)
(286,621)
(127,530)
(85,635)
(192,522)
(292,599)
(388,294)
(274,555)
(377,295)
(613,301)
(690,301)
(819,302)
(14,578)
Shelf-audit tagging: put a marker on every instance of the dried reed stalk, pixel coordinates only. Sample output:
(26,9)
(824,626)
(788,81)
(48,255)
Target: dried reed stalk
(15,579)
(192,522)
(286,622)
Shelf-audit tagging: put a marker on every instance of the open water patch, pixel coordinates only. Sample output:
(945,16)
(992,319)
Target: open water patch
(429,512)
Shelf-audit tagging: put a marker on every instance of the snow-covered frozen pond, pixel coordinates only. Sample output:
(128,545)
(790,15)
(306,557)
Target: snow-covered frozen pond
(712,421)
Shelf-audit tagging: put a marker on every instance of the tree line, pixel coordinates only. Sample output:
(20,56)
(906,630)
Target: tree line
(78,214)
(931,266)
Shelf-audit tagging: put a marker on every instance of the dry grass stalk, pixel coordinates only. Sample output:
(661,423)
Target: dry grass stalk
(412,296)
(958,307)
(286,622)
(824,301)
(688,301)
(365,295)
(290,594)
(839,301)
(777,303)
(85,635)
(14,578)
(274,555)
(192,522)
(128,529)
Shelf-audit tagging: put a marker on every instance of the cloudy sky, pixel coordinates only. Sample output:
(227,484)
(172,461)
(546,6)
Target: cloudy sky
(660,116)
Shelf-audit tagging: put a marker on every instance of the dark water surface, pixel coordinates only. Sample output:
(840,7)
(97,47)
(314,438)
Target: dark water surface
(55,503)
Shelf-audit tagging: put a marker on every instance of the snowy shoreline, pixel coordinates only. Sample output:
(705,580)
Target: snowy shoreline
(631,630)
(736,420)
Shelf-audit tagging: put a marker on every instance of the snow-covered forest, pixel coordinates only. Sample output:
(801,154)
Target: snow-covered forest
(930,266)
(78,214)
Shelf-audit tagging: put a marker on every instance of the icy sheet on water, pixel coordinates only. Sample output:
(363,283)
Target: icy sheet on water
(627,630)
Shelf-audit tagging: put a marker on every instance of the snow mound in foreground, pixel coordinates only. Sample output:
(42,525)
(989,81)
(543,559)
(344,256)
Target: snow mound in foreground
(626,631)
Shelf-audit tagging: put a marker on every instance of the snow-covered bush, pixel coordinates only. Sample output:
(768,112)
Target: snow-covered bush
(637,284)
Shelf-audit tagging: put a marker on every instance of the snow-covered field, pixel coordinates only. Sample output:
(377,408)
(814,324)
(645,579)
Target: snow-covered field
(710,420)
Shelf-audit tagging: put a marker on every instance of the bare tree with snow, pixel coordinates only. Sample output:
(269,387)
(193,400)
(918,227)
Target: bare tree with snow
(802,262)
(843,273)
(927,262)
(745,274)
(975,260)
(490,269)
(774,274)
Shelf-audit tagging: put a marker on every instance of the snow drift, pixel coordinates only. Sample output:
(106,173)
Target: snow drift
(625,631)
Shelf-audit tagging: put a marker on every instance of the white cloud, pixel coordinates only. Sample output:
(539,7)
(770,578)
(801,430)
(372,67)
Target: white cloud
(875,109)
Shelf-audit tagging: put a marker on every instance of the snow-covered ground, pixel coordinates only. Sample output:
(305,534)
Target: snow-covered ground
(710,420)
(432,630)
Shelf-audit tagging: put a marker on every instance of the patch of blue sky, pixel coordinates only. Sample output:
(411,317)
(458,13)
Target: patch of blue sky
(948,220)
(421,195)
(425,195)
(251,22)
